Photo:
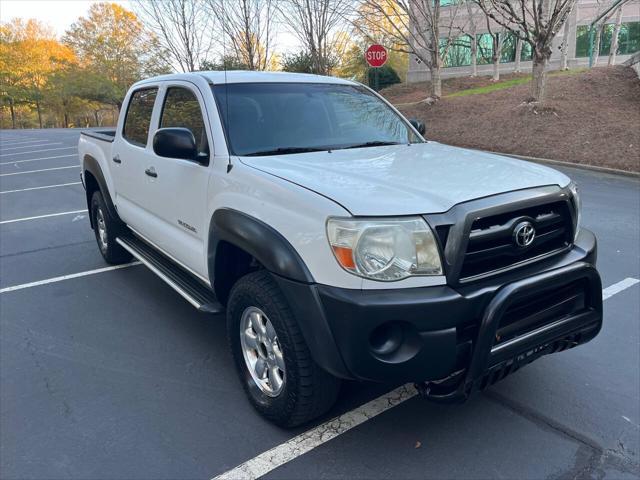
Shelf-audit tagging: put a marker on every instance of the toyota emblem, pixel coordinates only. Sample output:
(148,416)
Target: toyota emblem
(523,234)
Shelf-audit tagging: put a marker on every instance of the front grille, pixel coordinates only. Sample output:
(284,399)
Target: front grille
(492,248)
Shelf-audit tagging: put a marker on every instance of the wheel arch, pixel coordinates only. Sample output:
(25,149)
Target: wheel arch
(239,243)
(94,181)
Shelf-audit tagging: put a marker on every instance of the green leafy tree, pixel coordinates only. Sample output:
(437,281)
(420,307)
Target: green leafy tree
(228,62)
(387,76)
(300,62)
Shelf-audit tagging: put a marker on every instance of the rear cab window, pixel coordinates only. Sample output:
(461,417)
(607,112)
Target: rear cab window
(182,109)
(138,118)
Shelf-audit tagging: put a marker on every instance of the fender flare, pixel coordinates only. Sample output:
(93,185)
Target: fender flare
(279,257)
(91,165)
(258,239)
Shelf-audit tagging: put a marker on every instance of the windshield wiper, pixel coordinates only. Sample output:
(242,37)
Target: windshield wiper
(378,143)
(285,150)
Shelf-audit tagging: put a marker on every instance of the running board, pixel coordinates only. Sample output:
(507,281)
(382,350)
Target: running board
(183,282)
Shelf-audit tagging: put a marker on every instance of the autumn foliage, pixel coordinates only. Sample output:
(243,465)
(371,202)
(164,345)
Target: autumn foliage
(78,81)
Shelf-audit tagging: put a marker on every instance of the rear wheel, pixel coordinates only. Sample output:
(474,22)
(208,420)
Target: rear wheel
(106,229)
(273,361)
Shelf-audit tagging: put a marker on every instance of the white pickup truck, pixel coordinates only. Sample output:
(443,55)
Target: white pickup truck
(340,242)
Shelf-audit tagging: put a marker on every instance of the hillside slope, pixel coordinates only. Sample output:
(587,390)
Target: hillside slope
(590,117)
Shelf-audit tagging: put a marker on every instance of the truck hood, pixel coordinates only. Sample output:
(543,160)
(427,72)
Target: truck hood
(405,180)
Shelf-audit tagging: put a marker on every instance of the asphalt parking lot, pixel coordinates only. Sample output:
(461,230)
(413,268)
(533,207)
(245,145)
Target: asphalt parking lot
(114,375)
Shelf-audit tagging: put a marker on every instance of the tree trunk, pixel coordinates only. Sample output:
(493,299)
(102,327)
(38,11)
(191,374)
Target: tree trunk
(564,47)
(474,56)
(436,82)
(539,80)
(66,120)
(614,39)
(518,55)
(497,52)
(596,46)
(39,113)
(13,113)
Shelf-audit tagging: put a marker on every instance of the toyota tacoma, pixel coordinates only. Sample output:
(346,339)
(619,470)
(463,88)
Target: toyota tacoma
(339,242)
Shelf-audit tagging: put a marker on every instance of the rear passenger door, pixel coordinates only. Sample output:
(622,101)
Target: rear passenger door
(177,195)
(132,151)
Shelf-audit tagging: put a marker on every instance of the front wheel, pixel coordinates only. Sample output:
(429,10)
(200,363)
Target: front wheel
(273,361)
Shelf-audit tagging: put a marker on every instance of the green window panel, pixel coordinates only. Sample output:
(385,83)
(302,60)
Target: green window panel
(485,49)
(628,39)
(526,54)
(508,53)
(459,53)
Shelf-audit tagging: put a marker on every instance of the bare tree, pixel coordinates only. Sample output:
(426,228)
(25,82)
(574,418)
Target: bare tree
(564,48)
(533,21)
(516,65)
(614,38)
(183,27)
(421,28)
(248,28)
(315,23)
(497,39)
(602,5)
(472,32)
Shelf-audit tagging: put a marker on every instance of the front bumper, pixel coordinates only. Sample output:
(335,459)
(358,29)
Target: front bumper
(463,338)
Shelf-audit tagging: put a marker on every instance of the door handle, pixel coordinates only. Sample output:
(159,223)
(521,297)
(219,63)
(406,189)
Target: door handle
(151,172)
(116,159)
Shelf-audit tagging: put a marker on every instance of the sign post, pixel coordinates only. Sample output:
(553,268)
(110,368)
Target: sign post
(376,56)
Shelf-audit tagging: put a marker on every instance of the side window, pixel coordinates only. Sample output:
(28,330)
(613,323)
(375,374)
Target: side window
(138,119)
(181,109)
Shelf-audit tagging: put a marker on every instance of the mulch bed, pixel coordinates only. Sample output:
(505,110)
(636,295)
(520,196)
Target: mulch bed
(590,118)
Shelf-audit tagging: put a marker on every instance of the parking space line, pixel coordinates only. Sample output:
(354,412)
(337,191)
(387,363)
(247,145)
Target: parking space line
(41,170)
(36,159)
(16,142)
(66,277)
(37,217)
(307,441)
(41,188)
(37,151)
(30,146)
(618,287)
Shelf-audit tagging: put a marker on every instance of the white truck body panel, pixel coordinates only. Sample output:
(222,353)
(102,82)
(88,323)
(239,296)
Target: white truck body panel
(294,194)
(406,179)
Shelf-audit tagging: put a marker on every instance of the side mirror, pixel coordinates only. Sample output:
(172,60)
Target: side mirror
(418,125)
(175,143)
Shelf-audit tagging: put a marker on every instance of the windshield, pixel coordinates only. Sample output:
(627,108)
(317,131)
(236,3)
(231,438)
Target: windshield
(282,118)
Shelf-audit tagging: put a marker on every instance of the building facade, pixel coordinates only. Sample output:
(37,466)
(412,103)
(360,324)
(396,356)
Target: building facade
(457,61)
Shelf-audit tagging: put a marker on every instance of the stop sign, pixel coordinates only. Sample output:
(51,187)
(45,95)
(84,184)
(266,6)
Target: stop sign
(376,55)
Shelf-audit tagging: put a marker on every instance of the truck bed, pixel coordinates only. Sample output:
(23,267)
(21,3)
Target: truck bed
(104,135)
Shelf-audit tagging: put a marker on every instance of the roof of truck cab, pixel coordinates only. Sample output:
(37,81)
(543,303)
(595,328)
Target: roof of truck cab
(242,76)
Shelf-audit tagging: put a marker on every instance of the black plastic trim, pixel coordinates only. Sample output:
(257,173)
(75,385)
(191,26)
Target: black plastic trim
(441,322)
(92,166)
(459,219)
(259,240)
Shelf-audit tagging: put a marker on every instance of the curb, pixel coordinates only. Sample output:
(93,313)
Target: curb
(595,168)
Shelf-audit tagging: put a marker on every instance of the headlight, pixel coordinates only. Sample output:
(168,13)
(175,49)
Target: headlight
(384,249)
(577,205)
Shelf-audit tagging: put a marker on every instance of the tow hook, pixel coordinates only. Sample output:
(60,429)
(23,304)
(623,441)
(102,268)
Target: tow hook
(451,389)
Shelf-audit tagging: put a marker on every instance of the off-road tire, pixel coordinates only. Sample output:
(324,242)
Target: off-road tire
(112,252)
(308,391)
